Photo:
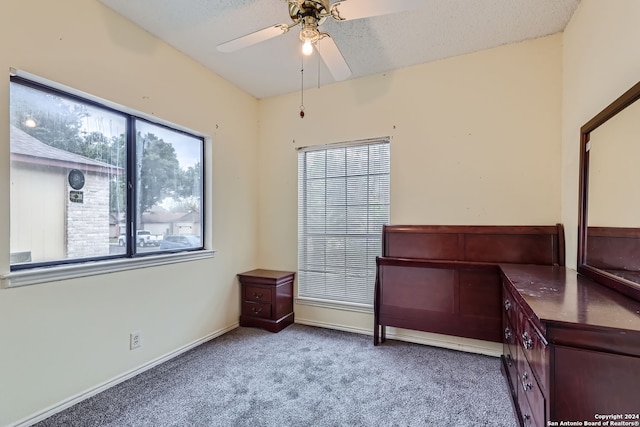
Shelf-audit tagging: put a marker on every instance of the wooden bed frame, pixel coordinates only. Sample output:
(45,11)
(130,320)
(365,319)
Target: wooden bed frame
(446,280)
(615,250)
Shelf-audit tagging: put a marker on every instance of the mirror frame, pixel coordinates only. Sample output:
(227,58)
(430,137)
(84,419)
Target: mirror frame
(624,286)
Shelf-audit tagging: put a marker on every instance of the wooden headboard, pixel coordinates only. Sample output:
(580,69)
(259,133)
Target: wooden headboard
(476,243)
(445,279)
(614,248)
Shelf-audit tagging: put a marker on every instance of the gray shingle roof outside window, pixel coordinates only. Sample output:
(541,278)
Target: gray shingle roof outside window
(24,144)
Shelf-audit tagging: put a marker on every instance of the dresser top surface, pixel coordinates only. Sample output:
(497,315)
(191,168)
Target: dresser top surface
(561,295)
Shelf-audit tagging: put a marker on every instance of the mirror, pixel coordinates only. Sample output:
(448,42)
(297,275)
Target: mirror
(609,219)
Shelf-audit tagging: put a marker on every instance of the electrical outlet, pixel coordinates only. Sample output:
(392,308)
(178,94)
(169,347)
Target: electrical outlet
(135,340)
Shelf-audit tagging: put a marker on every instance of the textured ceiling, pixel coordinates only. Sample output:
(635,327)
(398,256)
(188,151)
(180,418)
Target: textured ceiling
(437,30)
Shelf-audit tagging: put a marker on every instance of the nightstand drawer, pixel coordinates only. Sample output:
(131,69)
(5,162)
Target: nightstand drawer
(256,309)
(257,294)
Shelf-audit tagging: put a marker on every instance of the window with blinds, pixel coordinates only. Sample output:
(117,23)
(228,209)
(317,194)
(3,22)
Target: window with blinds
(343,201)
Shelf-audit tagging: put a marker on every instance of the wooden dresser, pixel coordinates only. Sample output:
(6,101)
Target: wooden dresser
(266,299)
(571,348)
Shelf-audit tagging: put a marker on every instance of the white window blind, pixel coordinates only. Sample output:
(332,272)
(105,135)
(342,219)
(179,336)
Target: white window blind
(343,201)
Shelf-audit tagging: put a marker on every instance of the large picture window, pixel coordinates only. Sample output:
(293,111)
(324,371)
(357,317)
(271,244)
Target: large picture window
(90,182)
(343,201)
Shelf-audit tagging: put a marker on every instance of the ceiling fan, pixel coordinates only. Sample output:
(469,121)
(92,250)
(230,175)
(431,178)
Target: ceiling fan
(310,14)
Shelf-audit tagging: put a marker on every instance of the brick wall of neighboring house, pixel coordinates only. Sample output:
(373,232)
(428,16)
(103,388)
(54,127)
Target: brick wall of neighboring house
(88,222)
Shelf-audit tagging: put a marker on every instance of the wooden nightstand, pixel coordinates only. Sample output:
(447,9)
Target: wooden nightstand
(267,299)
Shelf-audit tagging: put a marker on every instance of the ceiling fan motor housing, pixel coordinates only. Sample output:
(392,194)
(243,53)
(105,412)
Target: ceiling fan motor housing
(309,10)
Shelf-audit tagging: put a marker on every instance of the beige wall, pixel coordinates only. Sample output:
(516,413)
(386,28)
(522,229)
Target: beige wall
(60,339)
(474,140)
(600,62)
(614,193)
(487,138)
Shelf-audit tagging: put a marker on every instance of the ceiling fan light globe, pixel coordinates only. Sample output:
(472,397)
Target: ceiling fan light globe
(307,48)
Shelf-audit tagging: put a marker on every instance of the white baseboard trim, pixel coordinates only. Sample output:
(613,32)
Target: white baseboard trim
(59,407)
(432,341)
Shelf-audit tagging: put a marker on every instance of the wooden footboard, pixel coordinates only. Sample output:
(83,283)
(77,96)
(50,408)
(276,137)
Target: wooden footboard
(445,279)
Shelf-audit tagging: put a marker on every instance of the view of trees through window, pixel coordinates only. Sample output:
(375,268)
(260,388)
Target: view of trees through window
(75,194)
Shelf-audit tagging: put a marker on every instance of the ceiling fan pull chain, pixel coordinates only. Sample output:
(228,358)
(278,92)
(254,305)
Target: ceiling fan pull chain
(302,90)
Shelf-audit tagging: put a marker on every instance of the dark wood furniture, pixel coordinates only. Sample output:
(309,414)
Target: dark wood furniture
(580,356)
(615,250)
(267,299)
(445,279)
(571,347)
(610,134)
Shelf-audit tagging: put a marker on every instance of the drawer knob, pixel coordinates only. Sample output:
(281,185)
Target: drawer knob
(507,305)
(256,310)
(526,385)
(507,334)
(527,341)
(257,295)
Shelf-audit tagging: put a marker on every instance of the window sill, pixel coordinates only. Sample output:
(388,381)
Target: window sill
(73,271)
(335,305)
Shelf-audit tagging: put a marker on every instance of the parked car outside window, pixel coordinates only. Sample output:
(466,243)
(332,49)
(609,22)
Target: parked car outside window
(143,238)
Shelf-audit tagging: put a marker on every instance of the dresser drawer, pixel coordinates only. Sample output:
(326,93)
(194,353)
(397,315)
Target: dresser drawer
(530,395)
(509,306)
(256,309)
(528,419)
(535,350)
(510,346)
(257,294)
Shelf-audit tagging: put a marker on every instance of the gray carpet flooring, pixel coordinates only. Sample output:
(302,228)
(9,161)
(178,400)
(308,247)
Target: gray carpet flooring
(304,376)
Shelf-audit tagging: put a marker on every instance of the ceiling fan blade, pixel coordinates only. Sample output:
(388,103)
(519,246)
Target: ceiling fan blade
(253,38)
(357,9)
(333,59)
